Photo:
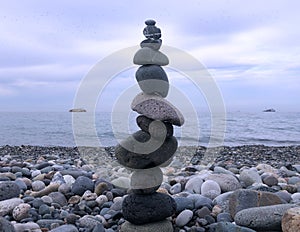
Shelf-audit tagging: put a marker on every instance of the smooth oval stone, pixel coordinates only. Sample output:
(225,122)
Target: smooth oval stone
(152,79)
(129,158)
(227,227)
(150,22)
(149,56)
(250,176)
(194,184)
(155,44)
(161,226)
(227,182)
(267,218)
(65,228)
(146,178)
(21,211)
(210,189)
(183,203)
(184,217)
(157,108)
(141,209)
(156,130)
(6,225)
(7,206)
(82,184)
(8,190)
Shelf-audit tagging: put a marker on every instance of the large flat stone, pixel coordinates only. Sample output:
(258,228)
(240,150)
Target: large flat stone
(148,55)
(157,108)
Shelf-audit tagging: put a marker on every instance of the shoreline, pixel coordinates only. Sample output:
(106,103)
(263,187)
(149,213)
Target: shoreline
(244,155)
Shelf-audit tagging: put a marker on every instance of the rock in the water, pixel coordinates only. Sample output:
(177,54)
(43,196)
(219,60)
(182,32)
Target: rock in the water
(7,206)
(128,153)
(210,189)
(141,209)
(82,184)
(151,43)
(65,228)
(291,220)
(155,129)
(227,182)
(244,198)
(266,218)
(157,108)
(146,178)
(161,226)
(146,56)
(8,189)
(227,227)
(6,226)
(21,211)
(184,217)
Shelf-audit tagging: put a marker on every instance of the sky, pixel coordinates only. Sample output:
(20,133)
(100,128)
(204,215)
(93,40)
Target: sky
(250,48)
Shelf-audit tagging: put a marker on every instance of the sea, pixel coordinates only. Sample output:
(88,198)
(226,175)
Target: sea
(106,129)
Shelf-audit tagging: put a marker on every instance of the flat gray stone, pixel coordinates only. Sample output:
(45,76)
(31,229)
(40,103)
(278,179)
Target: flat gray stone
(6,225)
(157,108)
(151,43)
(227,227)
(227,182)
(148,55)
(266,218)
(161,226)
(184,217)
(7,206)
(65,228)
(146,178)
(210,189)
(29,226)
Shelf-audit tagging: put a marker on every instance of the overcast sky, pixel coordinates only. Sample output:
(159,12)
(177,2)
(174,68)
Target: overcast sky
(251,48)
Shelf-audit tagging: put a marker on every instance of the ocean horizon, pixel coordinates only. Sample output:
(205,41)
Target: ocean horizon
(241,128)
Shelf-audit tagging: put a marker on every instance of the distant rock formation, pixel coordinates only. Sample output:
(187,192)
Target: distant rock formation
(269,110)
(77,110)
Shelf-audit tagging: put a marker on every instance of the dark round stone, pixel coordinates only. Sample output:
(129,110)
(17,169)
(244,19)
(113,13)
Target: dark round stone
(152,79)
(142,209)
(151,31)
(150,22)
(9,189)
(5,225)
(144,123)
(155,44)
(82,184)
(131,159)
(145,191)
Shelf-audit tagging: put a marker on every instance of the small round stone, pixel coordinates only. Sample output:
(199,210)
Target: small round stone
(210,189)
(21,211)
(146,178)
(150,22)
(184,217)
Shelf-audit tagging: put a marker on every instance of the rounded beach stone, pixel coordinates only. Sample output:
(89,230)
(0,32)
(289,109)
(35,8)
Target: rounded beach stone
(270,180)
(250,176)
(150,22)
(152,79)
(157,108)
(227,182)
(194,184)
(6,226)
(146,178)
(131,159)
(38,185)
(149,56)
(223,201)
(228,227)
(8,190)
(266,218)
(184,217)
(29,226)
(161,226)
(176,188)
(210,189)
(21,211)
(58,198)
(7,206)
(82,184)
(157,130)
(141,209)
(291,220)
(151,43)
(244,198)
(65,228)
(183,203)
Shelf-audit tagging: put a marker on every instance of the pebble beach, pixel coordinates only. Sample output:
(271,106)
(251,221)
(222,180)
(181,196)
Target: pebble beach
(70,189)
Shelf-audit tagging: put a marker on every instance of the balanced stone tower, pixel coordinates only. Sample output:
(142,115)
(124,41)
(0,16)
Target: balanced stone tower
(152,147)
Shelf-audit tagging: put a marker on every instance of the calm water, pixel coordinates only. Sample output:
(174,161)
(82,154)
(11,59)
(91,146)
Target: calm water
(55,129)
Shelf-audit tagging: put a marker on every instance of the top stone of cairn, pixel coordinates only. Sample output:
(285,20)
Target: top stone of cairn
(151,31)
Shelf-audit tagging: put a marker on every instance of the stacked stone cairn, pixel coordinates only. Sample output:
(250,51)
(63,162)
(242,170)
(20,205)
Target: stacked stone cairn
(152,147)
